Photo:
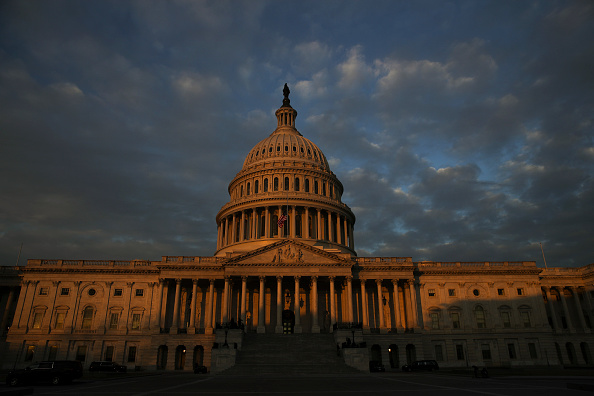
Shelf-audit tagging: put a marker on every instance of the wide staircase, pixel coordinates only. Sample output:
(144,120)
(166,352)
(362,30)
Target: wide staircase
(288,354)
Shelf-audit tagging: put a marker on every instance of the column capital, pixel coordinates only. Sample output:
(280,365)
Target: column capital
(314,278)
(129,284)
(211,281)
(332,278)
(194,281)
(151,284)
(411,282)
(279,278)
(378,281)
(162,280)
(395,282)
(55,283)
(349,278)
(178,280)
(244,278)
(262,278)
(297,278)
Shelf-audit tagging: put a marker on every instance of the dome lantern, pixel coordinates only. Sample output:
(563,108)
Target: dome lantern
(286,115)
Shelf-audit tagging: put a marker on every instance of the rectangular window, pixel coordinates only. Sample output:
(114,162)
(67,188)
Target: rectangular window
(532,350)
(53,352)
(108,353)
(460,352)
(455,320)
(520,291)
(43,291)
(117,292)
(511,351)
(505,318)
(525,318)
(452,292)
(81,353)
(434,320)
(37,317)
(135,321)
(439,353)
(139,292)
(113,320)
(479,314)
(132,354)
(65,291)
(486,350)
(87,319)
(29,353)
(500,292)
(431,292)
(60,317)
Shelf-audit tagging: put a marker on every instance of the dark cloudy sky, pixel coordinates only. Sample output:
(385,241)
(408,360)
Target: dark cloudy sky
(461,130)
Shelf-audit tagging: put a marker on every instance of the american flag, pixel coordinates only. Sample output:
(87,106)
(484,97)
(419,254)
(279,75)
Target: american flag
(281,220)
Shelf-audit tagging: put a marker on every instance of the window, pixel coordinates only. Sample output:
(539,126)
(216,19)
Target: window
(29,353)
(439,353)
(455,320)
(43,291)
(296,184)
(53,352)
(136,321)
(92,292)
(532,350)
(324,189)
(256,185)
(81,353)
(113,320)
(87,319)
(139,292)
(37,318)
(315,187)
(525,315)
(511,351)
(486,351)
(248,189)
(276,184)
(479,315)
(306,185)
(132,354)
(500,292)
(60,317)
(476,292)
(286,184)
(65,291)
(241,191)
(434,320)
(452,292)
(431,292)
(460,352)
(117,292)
(108,356)
(505,318)
(520,291)
(265,185)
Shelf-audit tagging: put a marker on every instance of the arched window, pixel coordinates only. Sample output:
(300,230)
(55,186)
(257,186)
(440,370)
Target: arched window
(241,192)
(286,184)
(248,189)
(307,185)
(323,189)
(265,185)
(315,186)
(479,315)
(256,185)
(296,184)
(276,184)
(87,318)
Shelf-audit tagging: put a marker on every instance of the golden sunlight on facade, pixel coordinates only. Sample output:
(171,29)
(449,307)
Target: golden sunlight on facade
(285,290)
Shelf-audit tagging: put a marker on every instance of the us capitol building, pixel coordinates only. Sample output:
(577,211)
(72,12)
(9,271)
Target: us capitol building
(285,286)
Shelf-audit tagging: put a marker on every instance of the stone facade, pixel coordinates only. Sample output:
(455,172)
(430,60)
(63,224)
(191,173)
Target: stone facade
(300,275)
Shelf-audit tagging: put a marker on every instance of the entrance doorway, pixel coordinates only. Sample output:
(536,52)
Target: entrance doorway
(288,321)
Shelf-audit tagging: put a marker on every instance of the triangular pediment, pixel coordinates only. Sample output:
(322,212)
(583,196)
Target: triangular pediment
(289,253)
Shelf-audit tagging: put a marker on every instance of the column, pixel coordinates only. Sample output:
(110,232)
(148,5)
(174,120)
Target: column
(551,301)
(565,309)
(297,306)
(243,296)
(314,305)
(160,302)
(306,222)
(293,221)
(338,233)
(349,280)
(242,227)
(279,305)
(380,303)
(224,305)
(364,304)
(396,302)
(225,235)
(208,319)
(319,234)
(4,322)
(233,229)
(254,224)
(175,323)
(413,303)
(193,305)
(332,302)
(345,232)
(329,222)
(267,224)
(261,328)
(578,306)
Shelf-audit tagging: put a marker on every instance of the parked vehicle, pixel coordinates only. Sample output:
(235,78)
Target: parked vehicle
(200,370)
(111,367)
(375,366)
(54,372)
(420,365)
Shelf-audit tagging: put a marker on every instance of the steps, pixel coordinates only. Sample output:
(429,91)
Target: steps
(288,354)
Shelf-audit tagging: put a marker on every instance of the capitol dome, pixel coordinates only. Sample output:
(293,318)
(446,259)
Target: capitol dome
(285,175)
